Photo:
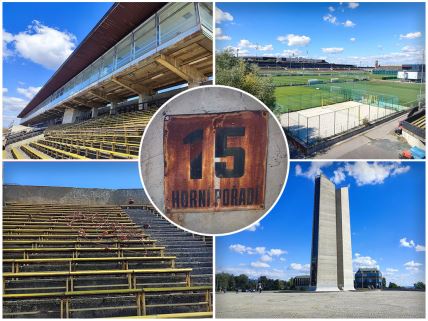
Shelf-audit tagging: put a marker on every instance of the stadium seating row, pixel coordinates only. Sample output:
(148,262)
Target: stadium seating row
(109,136)
(91,261)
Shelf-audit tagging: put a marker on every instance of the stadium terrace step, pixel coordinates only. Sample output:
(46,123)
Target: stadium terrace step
(109,136)
(79,261)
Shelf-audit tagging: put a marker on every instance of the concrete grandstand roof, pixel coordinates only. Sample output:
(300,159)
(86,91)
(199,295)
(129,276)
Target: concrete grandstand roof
(120,20)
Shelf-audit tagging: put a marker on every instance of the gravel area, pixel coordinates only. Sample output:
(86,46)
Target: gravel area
(355,304)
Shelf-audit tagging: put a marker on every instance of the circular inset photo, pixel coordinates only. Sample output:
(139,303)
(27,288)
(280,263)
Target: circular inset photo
(214,160)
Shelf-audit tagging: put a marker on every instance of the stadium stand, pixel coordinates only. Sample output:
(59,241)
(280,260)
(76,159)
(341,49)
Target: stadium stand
(81,261)
(98,102)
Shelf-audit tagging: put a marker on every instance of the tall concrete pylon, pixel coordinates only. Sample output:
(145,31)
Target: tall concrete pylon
(331,257)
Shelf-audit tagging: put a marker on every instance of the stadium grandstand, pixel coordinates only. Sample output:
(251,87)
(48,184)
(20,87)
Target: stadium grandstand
(98,254)
(97,104)
(295,63)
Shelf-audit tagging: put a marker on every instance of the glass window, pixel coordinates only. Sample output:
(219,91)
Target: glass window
(176,19)
(108,63)
(124,52)
(145,38)
(206,14)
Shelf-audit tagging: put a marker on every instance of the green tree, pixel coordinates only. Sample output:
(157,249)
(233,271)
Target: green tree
(419,286)
(234,72)
(393,285)
(383,283)
(242,282)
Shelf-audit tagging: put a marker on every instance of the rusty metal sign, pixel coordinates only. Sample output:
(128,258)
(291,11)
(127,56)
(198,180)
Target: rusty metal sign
(215,162)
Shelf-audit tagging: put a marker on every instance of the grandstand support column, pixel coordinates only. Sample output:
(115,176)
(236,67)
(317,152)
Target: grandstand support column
(94,112)
(113,108)
(70,115)
(142,102)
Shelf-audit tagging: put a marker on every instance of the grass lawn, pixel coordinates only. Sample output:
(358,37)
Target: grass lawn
(302,97)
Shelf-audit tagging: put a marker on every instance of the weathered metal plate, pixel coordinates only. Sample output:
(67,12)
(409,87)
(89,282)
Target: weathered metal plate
(215,162)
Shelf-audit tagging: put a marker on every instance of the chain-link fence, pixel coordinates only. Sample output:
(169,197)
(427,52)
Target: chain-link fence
(338,110)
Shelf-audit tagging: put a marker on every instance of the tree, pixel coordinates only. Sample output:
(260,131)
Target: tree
(393,285)
(383,283)
(242,282)
(234,72)
(419,286)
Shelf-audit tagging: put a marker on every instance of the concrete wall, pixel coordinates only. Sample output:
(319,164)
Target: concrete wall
(70,195)
(327,248)
(204,100)
(345,273)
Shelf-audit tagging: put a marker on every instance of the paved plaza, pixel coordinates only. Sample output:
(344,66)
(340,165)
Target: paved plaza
(355,304)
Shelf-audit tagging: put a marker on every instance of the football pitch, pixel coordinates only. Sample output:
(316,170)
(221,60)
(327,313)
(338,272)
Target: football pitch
(301,97)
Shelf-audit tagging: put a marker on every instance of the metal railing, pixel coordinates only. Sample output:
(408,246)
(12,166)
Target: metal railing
(168,26)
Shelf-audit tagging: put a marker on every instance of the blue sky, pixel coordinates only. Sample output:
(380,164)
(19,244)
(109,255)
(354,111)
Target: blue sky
(92,174)
(37,38)
(393,33)
(387,223)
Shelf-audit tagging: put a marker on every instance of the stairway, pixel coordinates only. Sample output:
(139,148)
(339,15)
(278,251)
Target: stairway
(192,250)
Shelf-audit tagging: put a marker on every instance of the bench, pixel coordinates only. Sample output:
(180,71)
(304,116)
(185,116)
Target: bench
(56,152)
(65,297)
(77,250)
(70,276)
(72,262)
(16,153)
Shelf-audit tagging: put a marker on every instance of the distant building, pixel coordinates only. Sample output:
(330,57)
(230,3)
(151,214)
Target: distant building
(301,281)
(415,73)
(368,278)
(295,63)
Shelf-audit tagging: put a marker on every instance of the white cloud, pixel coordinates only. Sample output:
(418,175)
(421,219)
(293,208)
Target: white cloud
(29,92)
(7,38)
(221,16)
(299,267)
(314,170)
(374,173)
(294,40)
(412,266)
(238,248)
(405,243)
(291,52)
(13,104)
(220,36)
(391,270)
(353,39)
(254,227)
(259,264)
(5,90)
(331,9)
(332,50)
(364,262)
(420,248)
(330,18)
(276,252)
(348,24)
(282,259)
(411,35)
(245,43)
(353,5)
(339,175)
(265,258)
(44,45)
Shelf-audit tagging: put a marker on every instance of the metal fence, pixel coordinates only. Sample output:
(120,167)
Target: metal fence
(353,108)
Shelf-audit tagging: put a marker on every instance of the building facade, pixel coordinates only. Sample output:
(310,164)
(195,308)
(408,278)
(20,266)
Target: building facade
(368,278)
(331,257)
